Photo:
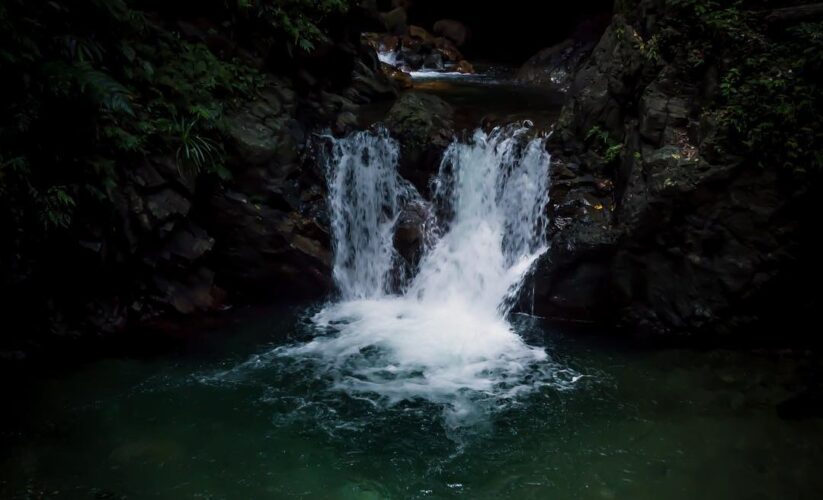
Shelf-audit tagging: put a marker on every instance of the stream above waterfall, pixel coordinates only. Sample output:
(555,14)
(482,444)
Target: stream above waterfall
(492,94)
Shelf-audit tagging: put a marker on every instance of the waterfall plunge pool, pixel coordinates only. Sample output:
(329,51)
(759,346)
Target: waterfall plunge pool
(222,419)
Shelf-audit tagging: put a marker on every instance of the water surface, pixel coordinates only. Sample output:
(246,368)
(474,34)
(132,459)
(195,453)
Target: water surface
(210,422)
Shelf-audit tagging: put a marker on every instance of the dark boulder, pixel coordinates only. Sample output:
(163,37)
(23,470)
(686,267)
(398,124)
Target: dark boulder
(423,124)
(464,67)
(433,61)
(395,20)
(265,252)
(555,66)
(453,30)
(412,229)
(399,77)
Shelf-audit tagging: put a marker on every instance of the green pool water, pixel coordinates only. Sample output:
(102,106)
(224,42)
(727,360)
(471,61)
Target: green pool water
(220,419)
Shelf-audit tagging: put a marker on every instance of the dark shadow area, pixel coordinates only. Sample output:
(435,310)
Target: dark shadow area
(511,32)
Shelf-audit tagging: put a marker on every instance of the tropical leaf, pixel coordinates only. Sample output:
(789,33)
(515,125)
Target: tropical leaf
(104,89)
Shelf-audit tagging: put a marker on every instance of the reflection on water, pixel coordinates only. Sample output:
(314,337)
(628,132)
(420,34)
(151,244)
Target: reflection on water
(492,96)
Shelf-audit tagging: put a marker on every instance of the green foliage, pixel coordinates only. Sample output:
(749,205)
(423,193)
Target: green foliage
(195,152)
(651,49)
(602,144)
(90,88)
(93,88)
(295,22)
(770,99)
(613,153)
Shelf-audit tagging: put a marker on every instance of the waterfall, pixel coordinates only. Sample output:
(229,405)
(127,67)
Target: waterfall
(496,190)
(387,56)
(365,193)
(446,338)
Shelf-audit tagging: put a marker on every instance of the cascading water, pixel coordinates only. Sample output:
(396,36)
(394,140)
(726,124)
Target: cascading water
(446,339)
(365,194)
(387,56)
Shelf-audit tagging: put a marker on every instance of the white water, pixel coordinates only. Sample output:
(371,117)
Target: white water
(447,338)
(365,194)
(387,56)
(390,57)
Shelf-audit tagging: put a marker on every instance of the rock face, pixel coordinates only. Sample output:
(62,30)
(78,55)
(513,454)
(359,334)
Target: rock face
(453,30)
(269,222)
(410,237)
(395,21)
(182,243)
(170,246)
(656,227)
(555,66)
(423,124)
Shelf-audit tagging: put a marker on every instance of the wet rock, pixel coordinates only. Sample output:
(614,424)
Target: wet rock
(371,85)
(555,66)
(423,124)
(382,42)
(602,88)
(453,30)
(464,67)
(262,250)
(344,123)
(190,293)
(664,110)
(400,78)
(146,176)
(395,21)
(166,204)
(448,50)
(188,243)
(170,170)
(256,141)
(433,61)
(411,231)
(421,34)
(409,60)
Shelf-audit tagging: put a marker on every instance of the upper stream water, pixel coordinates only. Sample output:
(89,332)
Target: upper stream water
(417,382)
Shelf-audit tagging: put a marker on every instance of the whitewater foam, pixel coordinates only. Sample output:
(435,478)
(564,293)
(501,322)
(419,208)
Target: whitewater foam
(446,339)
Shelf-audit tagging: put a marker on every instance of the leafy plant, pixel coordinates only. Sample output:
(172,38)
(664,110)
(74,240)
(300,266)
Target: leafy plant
(613,153)
(769,100)
(296,22)
(651,49)
(195,153)
(602,143)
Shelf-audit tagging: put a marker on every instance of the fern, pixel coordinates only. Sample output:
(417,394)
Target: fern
(104,89)
(58,208)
